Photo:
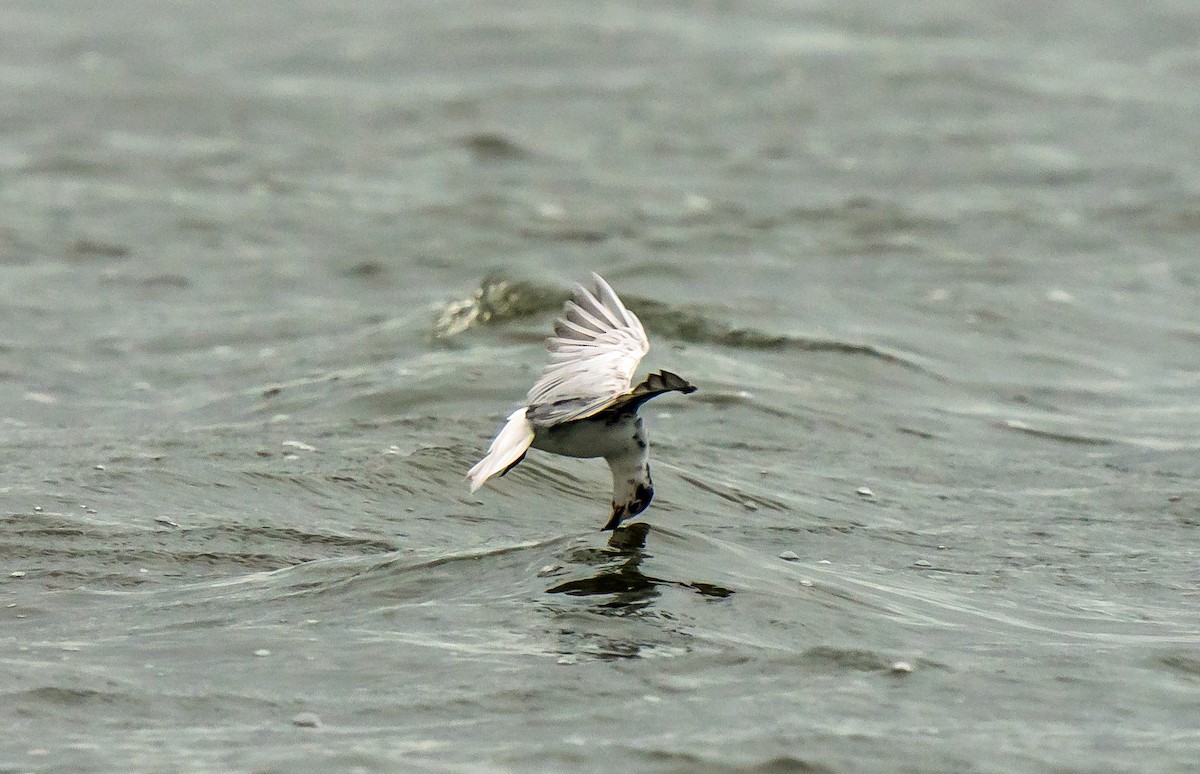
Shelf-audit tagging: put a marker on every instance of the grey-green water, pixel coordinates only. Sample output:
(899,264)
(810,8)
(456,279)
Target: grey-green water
(271,275)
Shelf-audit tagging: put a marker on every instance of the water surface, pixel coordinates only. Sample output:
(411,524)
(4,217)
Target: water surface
(271,276)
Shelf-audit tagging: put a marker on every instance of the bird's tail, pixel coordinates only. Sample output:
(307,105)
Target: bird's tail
(506,450)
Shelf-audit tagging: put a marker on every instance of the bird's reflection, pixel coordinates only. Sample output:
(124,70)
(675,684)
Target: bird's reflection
(620,575)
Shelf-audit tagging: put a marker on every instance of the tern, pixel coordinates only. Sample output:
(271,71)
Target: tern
(583,404)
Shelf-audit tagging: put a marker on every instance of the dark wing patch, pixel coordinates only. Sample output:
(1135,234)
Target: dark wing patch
(652,386)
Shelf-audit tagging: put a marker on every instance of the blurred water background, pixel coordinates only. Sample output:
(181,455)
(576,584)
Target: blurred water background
(272,274)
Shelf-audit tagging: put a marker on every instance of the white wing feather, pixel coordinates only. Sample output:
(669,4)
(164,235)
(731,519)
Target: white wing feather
(597,345)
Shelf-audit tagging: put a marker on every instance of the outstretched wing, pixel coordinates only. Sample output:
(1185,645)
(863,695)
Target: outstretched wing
(596,346)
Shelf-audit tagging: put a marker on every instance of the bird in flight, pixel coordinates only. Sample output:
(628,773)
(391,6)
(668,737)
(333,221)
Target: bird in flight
(583,404)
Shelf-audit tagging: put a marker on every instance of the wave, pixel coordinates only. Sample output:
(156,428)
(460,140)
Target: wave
(499,300)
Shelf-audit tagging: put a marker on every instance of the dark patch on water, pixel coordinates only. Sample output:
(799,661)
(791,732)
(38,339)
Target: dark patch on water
(92,249)
(494,147)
